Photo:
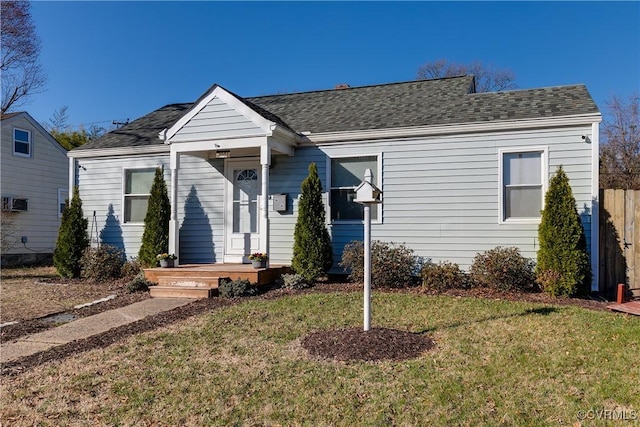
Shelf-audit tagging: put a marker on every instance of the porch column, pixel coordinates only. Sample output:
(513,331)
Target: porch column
(265,162)
(174,226)
(72,176)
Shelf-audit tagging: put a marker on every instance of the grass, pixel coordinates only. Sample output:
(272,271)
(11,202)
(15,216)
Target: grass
(31,292)
(495,363)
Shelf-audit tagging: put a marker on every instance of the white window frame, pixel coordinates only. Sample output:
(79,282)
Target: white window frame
(378,173)
(29,143)
(63,194)
(125,195)
(544,171)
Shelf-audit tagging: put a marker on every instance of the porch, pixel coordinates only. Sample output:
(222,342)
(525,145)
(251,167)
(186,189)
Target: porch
(202,280)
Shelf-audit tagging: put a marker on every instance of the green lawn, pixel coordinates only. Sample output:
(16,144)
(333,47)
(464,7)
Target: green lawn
(495,363)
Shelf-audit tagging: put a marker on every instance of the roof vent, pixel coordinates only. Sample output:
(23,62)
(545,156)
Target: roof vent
(342,86)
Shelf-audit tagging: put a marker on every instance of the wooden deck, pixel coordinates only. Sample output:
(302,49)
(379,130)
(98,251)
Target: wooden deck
(202,280)
(631,307)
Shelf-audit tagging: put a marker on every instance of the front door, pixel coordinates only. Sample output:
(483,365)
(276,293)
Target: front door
(242,221)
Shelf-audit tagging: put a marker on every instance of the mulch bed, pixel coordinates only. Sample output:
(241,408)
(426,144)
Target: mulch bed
(341,345)
(372,345)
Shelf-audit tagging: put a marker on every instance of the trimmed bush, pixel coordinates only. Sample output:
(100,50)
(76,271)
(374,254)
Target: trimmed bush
(391,265)
(504,269)
(312,251)
(235,288)
(138,284)
(155,239)
(102,263)
(294,281)
(443,276)
(73,238)
(563,266)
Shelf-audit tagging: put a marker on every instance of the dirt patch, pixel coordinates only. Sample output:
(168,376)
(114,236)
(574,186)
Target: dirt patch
(32,293)
(372,345)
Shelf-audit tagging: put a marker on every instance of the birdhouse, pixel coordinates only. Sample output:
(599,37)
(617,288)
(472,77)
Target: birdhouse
(367,192)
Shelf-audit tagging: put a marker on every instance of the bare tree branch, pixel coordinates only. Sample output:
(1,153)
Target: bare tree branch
(620,145)
(488,78)
(21,72)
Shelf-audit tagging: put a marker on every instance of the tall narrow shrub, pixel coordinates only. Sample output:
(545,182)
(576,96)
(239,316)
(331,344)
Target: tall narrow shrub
(563,267)
(155,239)
(73,238)
(312,252)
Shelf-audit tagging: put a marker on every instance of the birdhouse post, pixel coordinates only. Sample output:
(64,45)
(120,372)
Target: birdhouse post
(367,194)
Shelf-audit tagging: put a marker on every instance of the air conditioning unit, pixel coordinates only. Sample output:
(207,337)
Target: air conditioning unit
(15,204)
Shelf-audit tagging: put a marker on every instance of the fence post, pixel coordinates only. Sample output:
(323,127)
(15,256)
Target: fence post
(620,298)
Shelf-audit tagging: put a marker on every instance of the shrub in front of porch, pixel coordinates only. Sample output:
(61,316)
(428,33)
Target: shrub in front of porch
(312,251)
(155,239)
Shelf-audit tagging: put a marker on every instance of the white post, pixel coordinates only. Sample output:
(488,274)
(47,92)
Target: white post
(367,266)
(265,162)
(174,226)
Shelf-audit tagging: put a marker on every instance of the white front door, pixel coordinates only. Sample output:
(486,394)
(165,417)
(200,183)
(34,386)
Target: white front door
(242,213)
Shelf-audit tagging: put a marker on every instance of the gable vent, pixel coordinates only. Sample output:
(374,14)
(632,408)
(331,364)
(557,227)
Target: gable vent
(15,204)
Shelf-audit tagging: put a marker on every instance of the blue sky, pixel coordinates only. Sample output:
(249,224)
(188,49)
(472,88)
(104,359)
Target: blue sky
(116,60)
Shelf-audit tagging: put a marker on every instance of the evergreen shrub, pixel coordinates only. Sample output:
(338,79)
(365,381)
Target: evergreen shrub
(155,239)
(235,288)
(563,267)
(312,251)
(72,240)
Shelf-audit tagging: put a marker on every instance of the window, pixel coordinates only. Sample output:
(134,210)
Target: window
(63,195)
(523,185)
(21,142)
(346,174)
(137,186)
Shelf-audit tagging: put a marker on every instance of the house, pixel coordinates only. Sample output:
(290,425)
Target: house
(34,184)
(461,172)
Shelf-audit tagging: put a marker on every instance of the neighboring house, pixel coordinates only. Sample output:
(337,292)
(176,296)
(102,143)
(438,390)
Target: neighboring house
(34,183)
(461,172)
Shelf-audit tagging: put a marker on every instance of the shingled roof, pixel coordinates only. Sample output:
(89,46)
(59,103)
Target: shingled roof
(395,105)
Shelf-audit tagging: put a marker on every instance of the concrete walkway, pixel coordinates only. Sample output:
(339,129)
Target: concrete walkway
(87,327)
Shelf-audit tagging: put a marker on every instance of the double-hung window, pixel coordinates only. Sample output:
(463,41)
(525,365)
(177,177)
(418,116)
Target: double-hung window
(346,174)
(523,183)
(21,142)
(137,187)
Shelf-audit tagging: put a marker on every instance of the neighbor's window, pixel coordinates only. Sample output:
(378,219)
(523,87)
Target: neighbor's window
(346,174)
(63,195)
(21,142)
(137,187)
(522,185)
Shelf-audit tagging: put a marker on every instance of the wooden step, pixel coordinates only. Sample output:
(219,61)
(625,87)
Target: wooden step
(190,281)
(181,292)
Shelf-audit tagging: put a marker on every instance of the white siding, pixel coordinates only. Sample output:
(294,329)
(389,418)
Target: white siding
(219,120)
(36,178)
(200,209)
(440,193)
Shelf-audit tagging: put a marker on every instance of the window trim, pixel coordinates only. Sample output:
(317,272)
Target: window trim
(544,171)
(61,199)
(378,173)
(125,195)
(29,143)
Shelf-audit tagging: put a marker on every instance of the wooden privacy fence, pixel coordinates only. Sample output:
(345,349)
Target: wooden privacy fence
(620,241)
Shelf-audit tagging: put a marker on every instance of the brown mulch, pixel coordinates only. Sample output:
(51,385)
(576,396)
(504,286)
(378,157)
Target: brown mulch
(372,345)
(343,345)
